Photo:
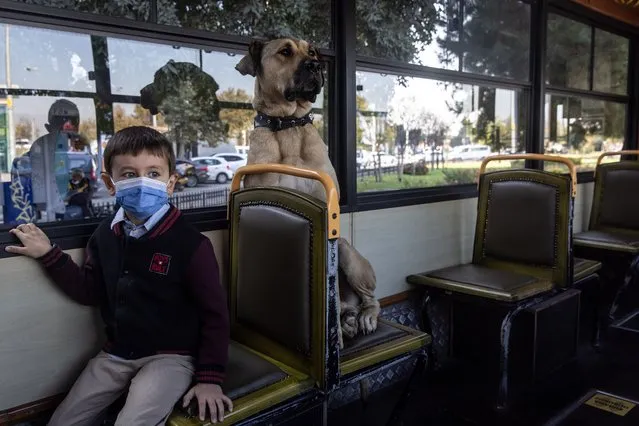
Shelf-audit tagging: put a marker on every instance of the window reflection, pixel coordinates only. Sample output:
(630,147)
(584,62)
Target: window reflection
(136,9)
(611,63)
(46,59)
(408,141)
(568,53)
(582,128)
(484,37)
(306,19)
(57,114)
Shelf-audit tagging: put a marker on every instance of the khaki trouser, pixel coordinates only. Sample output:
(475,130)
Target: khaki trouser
(155,384)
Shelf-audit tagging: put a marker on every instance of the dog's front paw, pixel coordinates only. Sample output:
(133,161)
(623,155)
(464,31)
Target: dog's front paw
(349,324)
(340,338)
(368,319)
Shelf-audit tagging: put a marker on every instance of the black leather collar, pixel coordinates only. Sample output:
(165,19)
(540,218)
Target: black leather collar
(281,123)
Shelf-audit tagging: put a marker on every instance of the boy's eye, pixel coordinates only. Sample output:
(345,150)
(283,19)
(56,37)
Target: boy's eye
(128,175)
(154,175)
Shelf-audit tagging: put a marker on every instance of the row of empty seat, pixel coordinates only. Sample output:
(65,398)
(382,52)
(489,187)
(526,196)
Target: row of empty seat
(523,248)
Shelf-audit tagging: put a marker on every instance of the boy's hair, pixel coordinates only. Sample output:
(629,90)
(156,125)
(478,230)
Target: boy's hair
(135,139)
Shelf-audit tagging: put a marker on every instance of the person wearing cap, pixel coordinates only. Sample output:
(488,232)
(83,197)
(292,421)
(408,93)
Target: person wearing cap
(49,175)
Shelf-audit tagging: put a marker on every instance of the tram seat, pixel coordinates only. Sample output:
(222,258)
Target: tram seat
(522,248)
(282,304)
(612,236)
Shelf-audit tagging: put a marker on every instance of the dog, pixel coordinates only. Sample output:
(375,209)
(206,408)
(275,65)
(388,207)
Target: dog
(289,74)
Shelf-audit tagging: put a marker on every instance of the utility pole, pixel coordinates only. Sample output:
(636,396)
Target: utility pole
(11,148)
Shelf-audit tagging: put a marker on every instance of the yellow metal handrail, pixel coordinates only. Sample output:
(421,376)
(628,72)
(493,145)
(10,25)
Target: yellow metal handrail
(539,157)
(610,153)
(332,199)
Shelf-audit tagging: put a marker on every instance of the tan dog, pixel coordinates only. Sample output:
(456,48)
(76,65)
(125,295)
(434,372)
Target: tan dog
(289,76)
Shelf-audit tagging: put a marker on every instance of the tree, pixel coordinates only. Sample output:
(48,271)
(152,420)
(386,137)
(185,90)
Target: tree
(495,37)
(88,129)
(239,120)
(24,129)
(362,106)
(253,18)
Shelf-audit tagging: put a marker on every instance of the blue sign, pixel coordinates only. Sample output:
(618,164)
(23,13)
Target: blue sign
(18,204)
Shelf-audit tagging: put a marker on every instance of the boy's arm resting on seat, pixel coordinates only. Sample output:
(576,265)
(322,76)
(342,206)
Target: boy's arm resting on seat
(211,303)
(79,283)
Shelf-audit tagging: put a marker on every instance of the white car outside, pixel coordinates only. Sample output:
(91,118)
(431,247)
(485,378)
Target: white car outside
(218,169)
(469,153)
(235,160)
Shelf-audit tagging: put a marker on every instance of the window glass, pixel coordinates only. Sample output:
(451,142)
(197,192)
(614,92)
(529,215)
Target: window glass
(484,37)
(306,19)
(55,60)
(568,53)
(196,98)
(611,63)
(409,141)
(54,136)
(582,128)
(131,9)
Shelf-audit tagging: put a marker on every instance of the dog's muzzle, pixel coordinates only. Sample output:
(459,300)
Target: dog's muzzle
(309,80)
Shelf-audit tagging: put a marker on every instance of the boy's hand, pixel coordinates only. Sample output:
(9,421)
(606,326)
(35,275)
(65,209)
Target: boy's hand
(209,394)
(36,243)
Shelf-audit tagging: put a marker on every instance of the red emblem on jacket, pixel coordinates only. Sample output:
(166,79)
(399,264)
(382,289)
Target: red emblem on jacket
(160,263)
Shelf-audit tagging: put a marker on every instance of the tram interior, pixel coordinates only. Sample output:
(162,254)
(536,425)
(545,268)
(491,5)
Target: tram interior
(486,156)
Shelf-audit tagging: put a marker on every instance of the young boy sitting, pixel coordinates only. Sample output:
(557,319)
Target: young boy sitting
(156,281)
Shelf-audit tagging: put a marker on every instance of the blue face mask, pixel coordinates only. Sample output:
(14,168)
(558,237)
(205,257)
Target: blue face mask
(141,197)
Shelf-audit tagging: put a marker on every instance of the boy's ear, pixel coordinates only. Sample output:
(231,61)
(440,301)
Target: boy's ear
(108,182)
(170,186)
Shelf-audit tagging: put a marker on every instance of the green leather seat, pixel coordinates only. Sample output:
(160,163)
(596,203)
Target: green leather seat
(278,303)
(614,217)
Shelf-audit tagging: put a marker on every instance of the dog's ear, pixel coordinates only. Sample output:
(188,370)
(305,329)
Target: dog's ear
(252,61)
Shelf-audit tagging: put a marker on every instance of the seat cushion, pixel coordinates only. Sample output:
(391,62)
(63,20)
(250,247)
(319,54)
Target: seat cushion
(482,281)
(247,372)
(384,333)
(609,240)
(584,267)
(389,341)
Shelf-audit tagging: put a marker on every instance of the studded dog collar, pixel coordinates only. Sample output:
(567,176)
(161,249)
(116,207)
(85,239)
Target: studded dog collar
(280,123)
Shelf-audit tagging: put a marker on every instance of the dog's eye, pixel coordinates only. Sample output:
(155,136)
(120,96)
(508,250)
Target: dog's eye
(286,52)
(311,53)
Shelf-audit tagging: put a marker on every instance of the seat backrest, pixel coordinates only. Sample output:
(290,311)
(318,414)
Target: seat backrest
(524,222)
(615,204)
(282,289)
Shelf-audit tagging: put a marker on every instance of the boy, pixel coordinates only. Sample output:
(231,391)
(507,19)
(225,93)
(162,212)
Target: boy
(155,279)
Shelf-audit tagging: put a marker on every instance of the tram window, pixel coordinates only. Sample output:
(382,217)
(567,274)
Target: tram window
(307,19)
(568,53)
(583,128)
(611,63)
(138,9)
(496,38)
(414,132)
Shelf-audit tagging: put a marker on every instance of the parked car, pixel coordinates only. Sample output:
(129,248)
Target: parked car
(198,172)
(469,153)
(235,160)
(219,169)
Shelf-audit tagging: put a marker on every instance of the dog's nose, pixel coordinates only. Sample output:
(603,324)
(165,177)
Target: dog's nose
(313,66)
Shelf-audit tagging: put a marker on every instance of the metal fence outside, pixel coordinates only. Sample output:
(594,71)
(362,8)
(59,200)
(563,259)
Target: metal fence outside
(183,201)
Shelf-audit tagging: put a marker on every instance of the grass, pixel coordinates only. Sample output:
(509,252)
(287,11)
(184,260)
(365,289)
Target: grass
(462,172)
